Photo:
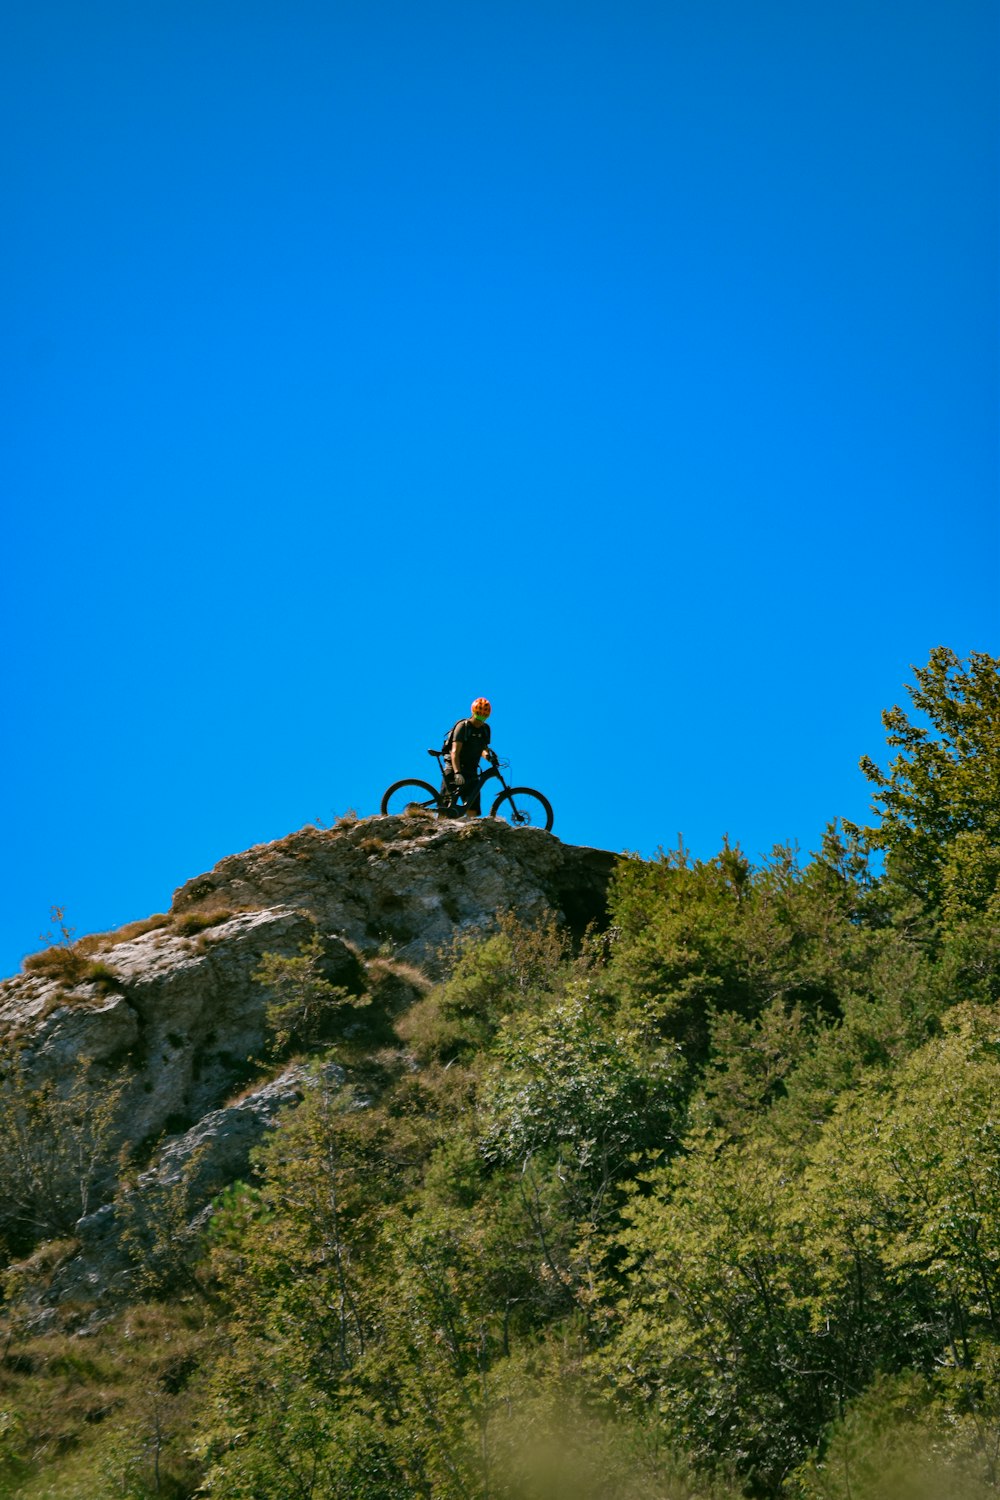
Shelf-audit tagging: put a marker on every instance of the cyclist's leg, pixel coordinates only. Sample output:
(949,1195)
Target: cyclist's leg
(470,793)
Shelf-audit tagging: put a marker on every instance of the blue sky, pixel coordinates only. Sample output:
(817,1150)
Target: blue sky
(633,364)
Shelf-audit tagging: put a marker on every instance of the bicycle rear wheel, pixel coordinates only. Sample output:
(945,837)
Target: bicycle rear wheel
(404,795)
(523,807)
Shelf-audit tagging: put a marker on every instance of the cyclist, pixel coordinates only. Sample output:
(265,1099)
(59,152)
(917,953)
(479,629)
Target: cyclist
(467,742)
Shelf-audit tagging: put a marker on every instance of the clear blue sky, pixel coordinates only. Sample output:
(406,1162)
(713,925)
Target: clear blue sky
(633,364)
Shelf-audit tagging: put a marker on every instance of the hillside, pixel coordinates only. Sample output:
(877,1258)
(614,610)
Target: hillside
(443,1160)
(169,1015)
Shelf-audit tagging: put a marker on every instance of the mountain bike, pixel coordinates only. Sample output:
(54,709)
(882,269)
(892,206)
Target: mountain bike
(521,806)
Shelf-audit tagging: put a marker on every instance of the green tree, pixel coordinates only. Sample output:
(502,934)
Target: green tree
(939,800)
(766,1282)
(304,1005)
(692,939)
(330,1290)
(57,1146)
(575,1074)
(714,1333)
(913,1162)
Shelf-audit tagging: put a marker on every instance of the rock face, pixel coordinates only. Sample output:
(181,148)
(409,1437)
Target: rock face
(411,883)
(175,1016)
(202,1161)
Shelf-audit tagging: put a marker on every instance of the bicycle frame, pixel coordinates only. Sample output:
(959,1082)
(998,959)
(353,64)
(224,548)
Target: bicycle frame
(448,799)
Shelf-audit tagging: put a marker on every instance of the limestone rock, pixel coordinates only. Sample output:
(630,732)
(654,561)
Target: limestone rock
(90,1284)
(216,1151)
(187,1025)
(411,883)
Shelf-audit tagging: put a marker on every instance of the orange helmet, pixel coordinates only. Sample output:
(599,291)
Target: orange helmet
(481,708)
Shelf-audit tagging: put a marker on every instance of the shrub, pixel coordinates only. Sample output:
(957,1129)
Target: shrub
(103,978)
(65,964)
(304,1004)
(491,976)
(55,1146)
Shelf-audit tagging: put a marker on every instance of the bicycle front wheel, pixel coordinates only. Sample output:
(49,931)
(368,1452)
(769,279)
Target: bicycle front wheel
(523,807)
(406,796)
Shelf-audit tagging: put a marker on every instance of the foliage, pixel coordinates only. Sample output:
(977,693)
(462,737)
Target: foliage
(700,937)
(900,1441)
(304,1005)
(572,1075)
(766,1285)
(490,976)
(105,1417)
(939,800)
(55,1146)
(154,1219)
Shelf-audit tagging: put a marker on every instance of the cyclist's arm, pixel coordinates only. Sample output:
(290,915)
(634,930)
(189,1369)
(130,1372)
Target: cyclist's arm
(456,751)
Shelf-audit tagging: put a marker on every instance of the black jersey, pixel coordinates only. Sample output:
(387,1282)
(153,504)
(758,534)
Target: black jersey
(473,736)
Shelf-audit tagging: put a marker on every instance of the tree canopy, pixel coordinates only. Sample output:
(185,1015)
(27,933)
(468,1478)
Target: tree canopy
(939,799)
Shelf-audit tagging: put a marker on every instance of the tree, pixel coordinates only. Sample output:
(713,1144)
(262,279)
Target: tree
(574,1075)
(56,1147)
(305,1005)
(713,1329)
(939,800)
(696,938)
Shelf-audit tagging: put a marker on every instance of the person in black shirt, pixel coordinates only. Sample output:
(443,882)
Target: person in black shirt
(468,743)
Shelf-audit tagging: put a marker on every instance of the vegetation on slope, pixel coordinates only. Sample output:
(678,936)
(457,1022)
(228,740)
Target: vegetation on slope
(709,1207)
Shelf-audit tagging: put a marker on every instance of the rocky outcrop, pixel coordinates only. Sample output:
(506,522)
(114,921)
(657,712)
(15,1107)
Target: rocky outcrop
(180,1019)
(178,1008)
(176,1017)
(411,883)
(82,1288)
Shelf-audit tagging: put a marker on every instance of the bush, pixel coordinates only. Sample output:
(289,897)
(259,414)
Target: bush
(305,1006)
(491,976)
(56,1146)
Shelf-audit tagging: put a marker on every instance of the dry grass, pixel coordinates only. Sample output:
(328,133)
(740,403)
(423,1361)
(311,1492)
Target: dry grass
(89,981)
(105,980)
(68,961)
(133,930)
(193,922)
(406,973)
(81,1415)
(63,962)
(47,1259)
